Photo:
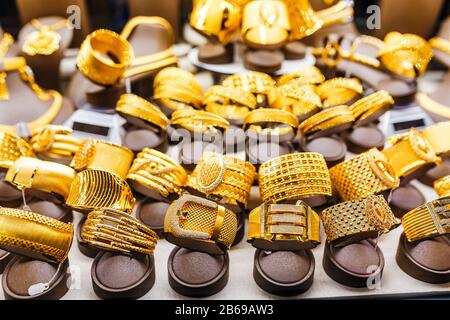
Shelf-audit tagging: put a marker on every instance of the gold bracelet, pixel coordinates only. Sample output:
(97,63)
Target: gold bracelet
(179,94)
(437,135)
(339,91)
(177,77)
(55,141)
(230,95)
(302,18)
(96,189)
(363,175)
(198,120)
(5,43)
(115,230)
(216,18)
(93,64)
(440,44)
(327,119)
(227,111)
(32,173)
(427,221)
(193,220)
(304,75)
(257,83)
(157,171)
(442,186)
(34,235)
(135,106)
(256,119)
(408,152)
(294,176)
(372,105)
(12,148)
(103,155)
(291,226)
(358,219)
(223,178)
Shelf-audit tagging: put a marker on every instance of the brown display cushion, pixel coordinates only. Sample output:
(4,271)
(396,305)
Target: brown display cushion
(152,214)
(405,198)
(260,152)
(50,209)
(216,53)
(295,50)
(363,138)
(138,139)
(240,232)
(119,276)
(332,148)
(263,60)
(403,92)
(5,257)
(8,192)
(86,249)
(197,274)
(435,173)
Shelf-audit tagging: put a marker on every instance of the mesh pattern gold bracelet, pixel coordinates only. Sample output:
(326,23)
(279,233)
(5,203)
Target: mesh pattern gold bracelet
(34,235)
(12,148)
(55,141)
(294,176)
(115,230)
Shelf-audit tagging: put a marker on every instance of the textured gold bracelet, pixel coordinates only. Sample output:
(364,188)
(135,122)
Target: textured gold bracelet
(198,120)
(178,77)
(294,176)
(374,104)
(442,186)
(115,230)
(339,91)
(440,44)
(230,95)
(437,135)
(304,75)
(55,142)
(326,119)
(257,83)
(34,235)
(12,148)
(274,116)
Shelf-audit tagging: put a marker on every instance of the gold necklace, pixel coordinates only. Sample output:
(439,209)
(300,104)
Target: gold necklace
(45,40)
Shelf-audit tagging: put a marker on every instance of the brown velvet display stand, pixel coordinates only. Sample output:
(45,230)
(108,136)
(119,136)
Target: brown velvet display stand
(405,198)
(362,138)
(435,173)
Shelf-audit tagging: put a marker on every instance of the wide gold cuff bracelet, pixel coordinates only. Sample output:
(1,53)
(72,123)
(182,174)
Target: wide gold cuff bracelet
(157,171)
(442,186)
(437,134)
(258,120)
(287,227)
(327,121)
(12,148)
(363,175)
(258,83)
(371,107)
(428,221)
(103,155)
(32,173)
(34,235)
(198,120)
(339,91)
(115,230)
(294,176)
(55,142)
(303,75)
(356,220)
(224,178)
(200,224)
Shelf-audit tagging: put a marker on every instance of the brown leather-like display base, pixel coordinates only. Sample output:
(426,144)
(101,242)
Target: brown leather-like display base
(284,273)
(5,257)
(332,148)
(435,173)
(216,53)
(197,274)
(260,152)
(426,260)
(23,272)
(405,198)
(263,60)
(10,196)
(52,210)
(355,265)
(254,199)
(118,276)
(138,139)
(152,213)
(361,139)
(294,50)
(87,250)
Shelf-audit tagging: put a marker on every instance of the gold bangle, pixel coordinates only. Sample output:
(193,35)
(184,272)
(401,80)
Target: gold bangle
(294,176)
(363,175)
(103,155)
(192,219)
(440,44)
(227,111)
(34,235)
(292,226)
(442,186)
(12,148)
(115,230)
(372,105)
(101,70)
(178,78)
(256,118)
(96,189)
(229,95)
(198,120)
(255,82)
(157,171)
(304,21)
(32,173)
(5,43)
(427,221)
(408,152)
(339,91)
(216,18)
(55,141)
(135,106)
(304,75)
(223,178)
(327,119)
(178,93)
(358,219)
(437,135)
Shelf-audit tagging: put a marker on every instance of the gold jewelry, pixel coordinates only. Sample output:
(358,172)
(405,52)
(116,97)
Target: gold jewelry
(94,65)
(265,23)
(304,75)
(294,176)
(256,118)
(157,171)
(408,152)
(363,175)
(5,43)
(442,186)
(227,111)
(327,119)
(45,40)
(133,105)
(115,230)
(12,148)
(437,135)
(223,178)
(339,91)
(257,83)
(55,141)
(179,94)
(431,105)
(372,105)
(292,226)
(303,19)
(216,18)
(97,189)
(358,219)
(229,95)
(34,235)
(32,173)
(440,44)
(177,77)
(194,220)
(103,155)
(427,221)
(198,120)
